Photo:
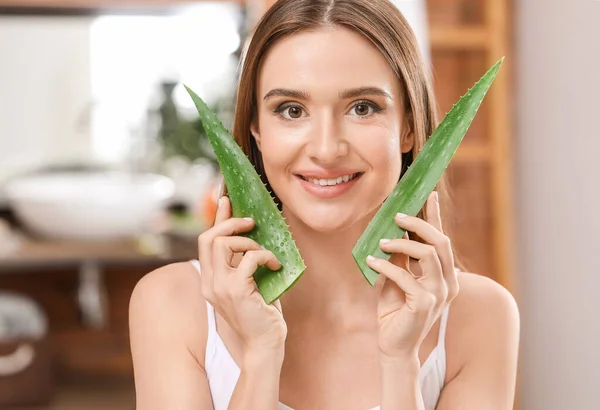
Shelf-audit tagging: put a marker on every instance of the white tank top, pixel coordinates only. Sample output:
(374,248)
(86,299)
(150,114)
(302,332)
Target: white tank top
(223,372)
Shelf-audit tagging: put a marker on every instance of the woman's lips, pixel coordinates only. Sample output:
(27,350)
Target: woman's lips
(327,191)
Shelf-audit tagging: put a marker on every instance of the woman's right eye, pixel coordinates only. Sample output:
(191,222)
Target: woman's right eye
(289,112)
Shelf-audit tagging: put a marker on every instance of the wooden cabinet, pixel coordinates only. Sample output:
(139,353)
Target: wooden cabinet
(54,274)
(80,353)
(467,37)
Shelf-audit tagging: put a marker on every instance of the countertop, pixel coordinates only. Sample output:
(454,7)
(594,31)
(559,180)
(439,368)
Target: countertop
(31,253)
(26,252)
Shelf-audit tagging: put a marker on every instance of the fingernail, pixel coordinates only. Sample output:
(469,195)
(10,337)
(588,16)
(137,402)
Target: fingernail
(384,241)
(437,198)
(370,258)
(401,215)
(220,202)
(248,219)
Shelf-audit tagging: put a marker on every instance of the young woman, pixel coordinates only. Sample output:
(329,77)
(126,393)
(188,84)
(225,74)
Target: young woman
(333,105)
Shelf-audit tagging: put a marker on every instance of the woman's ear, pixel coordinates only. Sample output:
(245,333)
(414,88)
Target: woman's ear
(255,133)
(407,139)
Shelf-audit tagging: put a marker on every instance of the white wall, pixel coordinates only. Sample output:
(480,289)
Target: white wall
(44,85)
(557,68)
(78,89)
(415,12)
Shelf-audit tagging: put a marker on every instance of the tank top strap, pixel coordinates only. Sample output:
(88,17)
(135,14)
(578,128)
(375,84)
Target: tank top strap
(441,345)
(211,324)
(443,326)
(196,264)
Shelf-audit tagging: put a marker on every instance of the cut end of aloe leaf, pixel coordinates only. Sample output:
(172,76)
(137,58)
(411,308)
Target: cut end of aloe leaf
(249,197)
(413,189)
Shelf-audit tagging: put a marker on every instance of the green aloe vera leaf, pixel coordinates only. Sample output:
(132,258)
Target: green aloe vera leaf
(413,189)
(250,198)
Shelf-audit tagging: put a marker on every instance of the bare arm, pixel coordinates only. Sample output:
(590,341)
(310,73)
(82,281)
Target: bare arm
(258,385)
(400,385)
(165,316)
(167,325)
(486,381)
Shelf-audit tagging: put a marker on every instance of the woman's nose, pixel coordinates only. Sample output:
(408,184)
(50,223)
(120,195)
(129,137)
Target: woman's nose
(327,144)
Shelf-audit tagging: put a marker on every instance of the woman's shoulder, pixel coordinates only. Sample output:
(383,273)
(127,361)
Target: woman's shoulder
(484,293)
(484,317)
(169,283)
(169,299)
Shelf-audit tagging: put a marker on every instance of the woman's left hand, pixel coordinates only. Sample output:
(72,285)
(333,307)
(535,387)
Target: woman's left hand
(409,305)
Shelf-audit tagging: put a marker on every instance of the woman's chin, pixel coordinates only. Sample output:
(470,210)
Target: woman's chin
(328,223)
(327,219)
(325,227)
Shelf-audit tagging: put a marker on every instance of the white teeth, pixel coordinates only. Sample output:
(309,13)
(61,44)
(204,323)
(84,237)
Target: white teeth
(325,182)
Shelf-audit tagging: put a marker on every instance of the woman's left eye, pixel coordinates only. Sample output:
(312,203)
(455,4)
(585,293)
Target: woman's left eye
(365,109)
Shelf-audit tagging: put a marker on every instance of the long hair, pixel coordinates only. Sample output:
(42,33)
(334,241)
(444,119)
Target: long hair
(385,27)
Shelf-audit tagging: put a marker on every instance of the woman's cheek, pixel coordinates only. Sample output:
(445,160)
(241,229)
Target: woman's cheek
(378,146)
(278,153)
(282,144)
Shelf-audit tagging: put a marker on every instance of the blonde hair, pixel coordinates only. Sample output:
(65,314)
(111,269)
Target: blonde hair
(384,26)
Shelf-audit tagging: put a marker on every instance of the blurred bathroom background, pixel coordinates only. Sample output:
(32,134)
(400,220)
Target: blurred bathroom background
(106,174)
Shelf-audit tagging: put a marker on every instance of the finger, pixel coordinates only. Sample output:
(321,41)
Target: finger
(277,305)
(391,299)
(430,233)
(253,259)
(243,283)
(401,277)
(225,247)
(444,248)
(425,254)
(400,259)
(204,241)
(434,216)
(418,298)
(223,210)
(228,227)
(379,284)
(424,229)
(390,296)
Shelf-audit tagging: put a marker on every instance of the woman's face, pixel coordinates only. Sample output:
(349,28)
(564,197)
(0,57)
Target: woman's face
(329,110)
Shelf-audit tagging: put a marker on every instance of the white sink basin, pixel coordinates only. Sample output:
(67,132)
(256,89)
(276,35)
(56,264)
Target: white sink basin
(88,206)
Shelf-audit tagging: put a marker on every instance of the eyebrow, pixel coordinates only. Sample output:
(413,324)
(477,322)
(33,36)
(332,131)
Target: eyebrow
(357,92)
(282,92)
(349,93)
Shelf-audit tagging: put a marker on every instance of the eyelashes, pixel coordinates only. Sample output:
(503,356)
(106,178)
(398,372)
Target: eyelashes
(369,104)
(283,110)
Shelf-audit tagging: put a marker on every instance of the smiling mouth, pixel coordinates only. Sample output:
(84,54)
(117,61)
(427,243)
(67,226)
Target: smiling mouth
(331,181)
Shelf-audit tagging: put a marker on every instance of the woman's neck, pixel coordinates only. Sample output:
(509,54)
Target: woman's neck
(332,282)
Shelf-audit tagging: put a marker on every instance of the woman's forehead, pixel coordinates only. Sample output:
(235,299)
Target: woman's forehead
(329,59)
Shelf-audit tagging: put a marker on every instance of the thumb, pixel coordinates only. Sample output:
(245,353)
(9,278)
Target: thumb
(379,282)
(223,210)
(277,305)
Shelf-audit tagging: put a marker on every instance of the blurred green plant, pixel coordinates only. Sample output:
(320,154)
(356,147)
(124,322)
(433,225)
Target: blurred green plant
(179,136)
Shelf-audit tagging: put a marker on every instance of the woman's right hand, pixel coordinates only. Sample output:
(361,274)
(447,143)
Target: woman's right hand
(230,287)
